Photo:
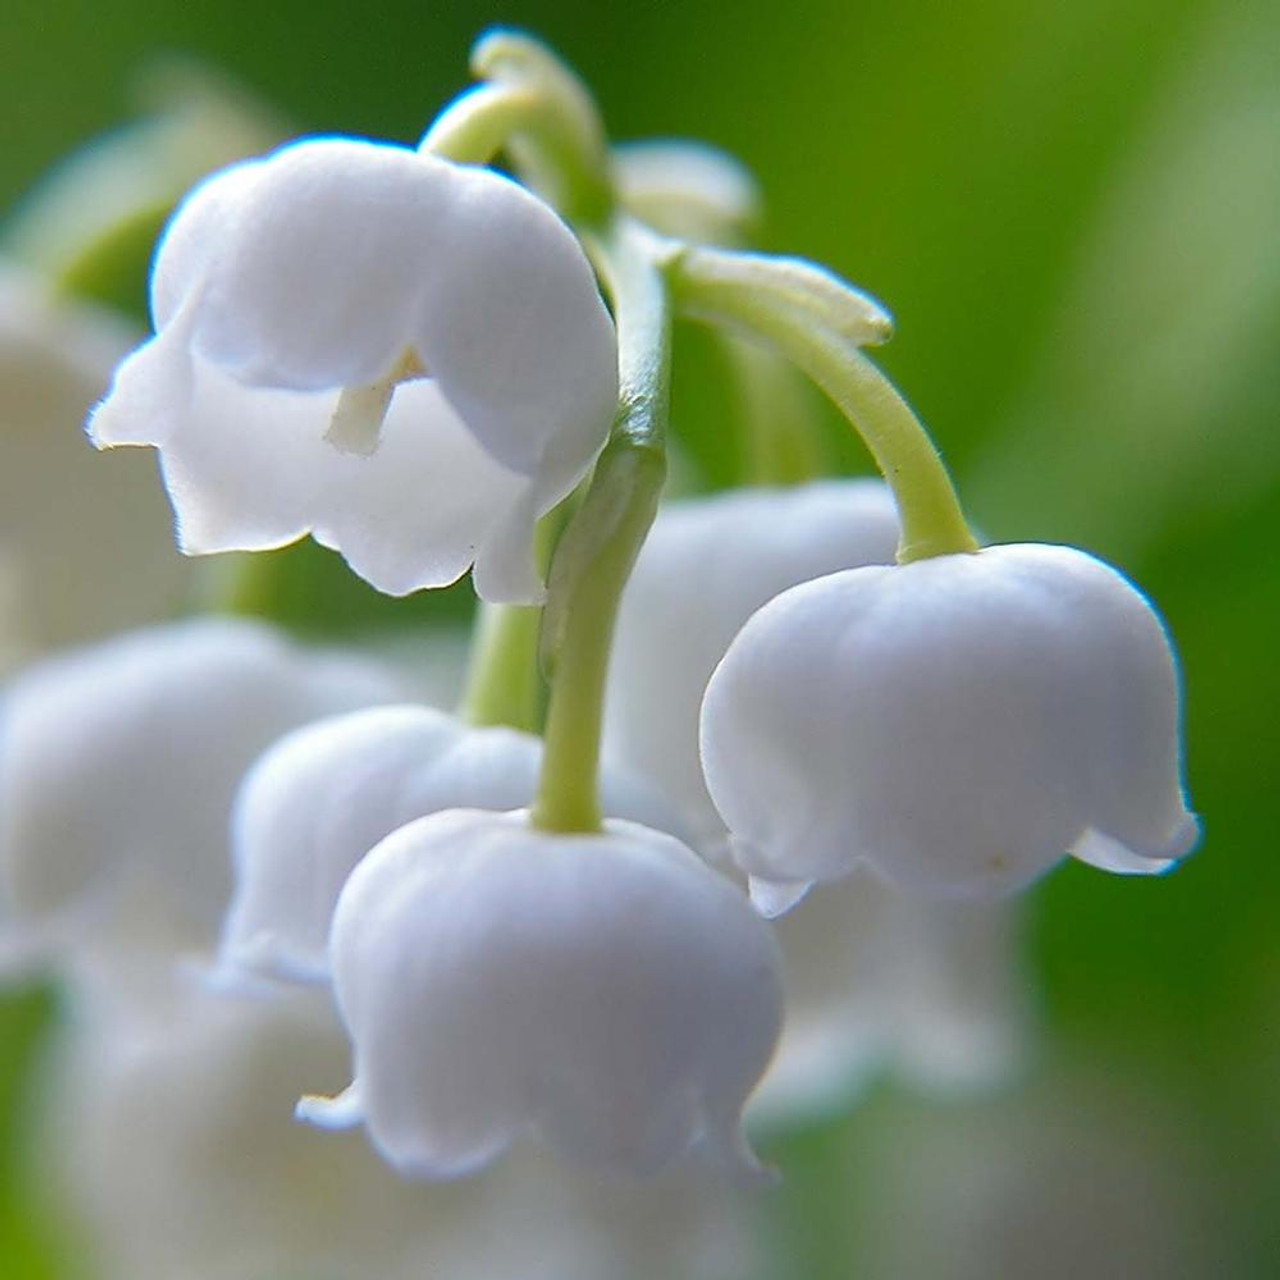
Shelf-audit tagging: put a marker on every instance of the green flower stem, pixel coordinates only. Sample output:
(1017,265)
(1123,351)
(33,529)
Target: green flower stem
(475,126)
(532,106)
(503,685)
(932,521)
(599,548)
(781,440)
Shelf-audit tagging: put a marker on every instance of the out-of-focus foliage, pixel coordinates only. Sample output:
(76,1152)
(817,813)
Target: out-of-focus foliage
(1072,211)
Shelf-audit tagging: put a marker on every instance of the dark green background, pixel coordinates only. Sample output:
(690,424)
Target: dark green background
(963,162)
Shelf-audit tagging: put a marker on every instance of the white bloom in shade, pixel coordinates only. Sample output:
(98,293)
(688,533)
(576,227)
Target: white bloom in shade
(706,567)
(86,541)
(957,724)
(118,765)
(170,1141)
(404,357)
(323,796)
(878,980)
(607,994)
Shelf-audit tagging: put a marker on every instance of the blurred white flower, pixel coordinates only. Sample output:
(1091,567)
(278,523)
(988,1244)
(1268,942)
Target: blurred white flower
(605,993)
(85,541)
(878,980)
(118,765)
(171,1139)
(323,796)
(405,357)
(687,189)
(957,724)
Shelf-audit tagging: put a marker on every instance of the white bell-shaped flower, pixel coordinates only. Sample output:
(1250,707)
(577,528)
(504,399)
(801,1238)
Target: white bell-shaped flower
(707,565)
(875,979)
(958,724)
(86,541)
(323,796)
(118,765)
(605,993)
(404,357)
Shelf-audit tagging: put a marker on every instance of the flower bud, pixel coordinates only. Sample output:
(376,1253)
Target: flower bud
(117,769)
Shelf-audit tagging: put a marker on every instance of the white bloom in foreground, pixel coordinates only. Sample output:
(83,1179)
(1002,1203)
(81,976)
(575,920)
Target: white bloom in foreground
(404,357)
(707,565)
(118,765)
(957,724)
(322,797)
(86,541)
(874,978)
(607,994)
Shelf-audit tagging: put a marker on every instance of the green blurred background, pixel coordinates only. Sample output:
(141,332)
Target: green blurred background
(1072,209)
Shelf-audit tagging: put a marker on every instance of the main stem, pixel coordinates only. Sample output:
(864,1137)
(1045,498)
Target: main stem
(596,555)
(928,508)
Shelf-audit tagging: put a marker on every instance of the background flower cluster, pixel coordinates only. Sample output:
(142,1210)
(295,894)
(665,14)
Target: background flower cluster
(1071,210)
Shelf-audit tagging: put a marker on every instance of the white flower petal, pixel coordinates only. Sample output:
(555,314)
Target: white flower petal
(85,541)
(308,267)
(118,765)
(945,721)
(607,993)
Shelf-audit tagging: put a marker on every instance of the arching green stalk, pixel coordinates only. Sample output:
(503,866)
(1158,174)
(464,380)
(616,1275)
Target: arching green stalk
(800,328)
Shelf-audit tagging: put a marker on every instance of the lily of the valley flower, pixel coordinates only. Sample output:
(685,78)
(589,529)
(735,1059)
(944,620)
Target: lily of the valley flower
(957,723)
(86,540)
(606,993)
(323,796)
(405,357)
(118,765)
(875,978)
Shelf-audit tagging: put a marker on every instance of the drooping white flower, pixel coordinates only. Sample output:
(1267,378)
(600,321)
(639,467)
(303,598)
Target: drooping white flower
(605,993)
(707,565)
(86,541)
(875,979)
(118,765)
(404,357)
(957,724)
(323,796)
